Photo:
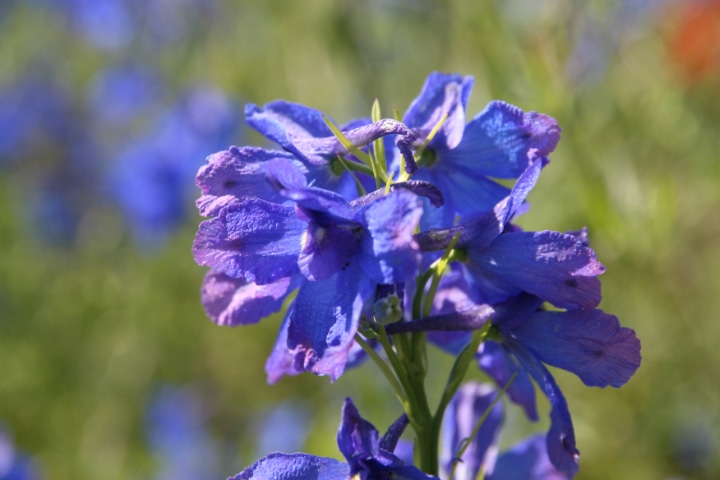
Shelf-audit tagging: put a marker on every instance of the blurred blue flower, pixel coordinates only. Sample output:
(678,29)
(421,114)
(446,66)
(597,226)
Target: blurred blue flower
(107,24)
(35,115)
(121,93)
(168,21)
(52,153)
(152,178)
(694,443)
(15,465)
(599,37)
(283,428)
(177,436)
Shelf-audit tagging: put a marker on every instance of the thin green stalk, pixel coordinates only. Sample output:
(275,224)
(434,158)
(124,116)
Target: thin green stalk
(459,369)
(431,135)
(355,166)
(384,369)
(427,442)
(438,269)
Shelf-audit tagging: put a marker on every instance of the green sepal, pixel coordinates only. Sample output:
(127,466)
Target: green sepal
(378,145)
(347,144)
(438,269)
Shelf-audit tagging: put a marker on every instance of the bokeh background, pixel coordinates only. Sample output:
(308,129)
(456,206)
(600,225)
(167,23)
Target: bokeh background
(108,366)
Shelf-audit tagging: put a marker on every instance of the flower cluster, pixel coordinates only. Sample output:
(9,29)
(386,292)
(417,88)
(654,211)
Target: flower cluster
(394,231)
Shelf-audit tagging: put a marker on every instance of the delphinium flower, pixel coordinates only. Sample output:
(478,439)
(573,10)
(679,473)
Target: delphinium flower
(335,252)
(523,337)
(303,132)
(368,456)
(463,159)
(431,253)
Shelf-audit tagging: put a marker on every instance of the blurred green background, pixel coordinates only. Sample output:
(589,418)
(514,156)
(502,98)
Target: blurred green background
(93,323)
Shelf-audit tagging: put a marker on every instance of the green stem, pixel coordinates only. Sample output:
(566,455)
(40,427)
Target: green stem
(384,369)
(427,441)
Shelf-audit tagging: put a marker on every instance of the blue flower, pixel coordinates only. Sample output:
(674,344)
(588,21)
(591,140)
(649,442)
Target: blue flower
(461,160)
(500,261)
(368,456)
(335,252)
(527,460)
(587,342)
(303,132)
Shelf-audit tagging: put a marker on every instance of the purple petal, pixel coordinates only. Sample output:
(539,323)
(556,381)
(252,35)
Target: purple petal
(408,472)
(501,367)
(290,125)
(240,172)
(405,451)
(325,319)
(527,460)
(561,436)
(389,253)
(466,194)
(303,132)
(480,231)
(326,250)
(233,301)
(418,187)
(441,94)
(320,205)
(281,361)
(453,295)
(469,320)
(468,405)
(551,265)
(390,440)
(294,466)
(357,438)
(589,343)
(497,141)
(251,239)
